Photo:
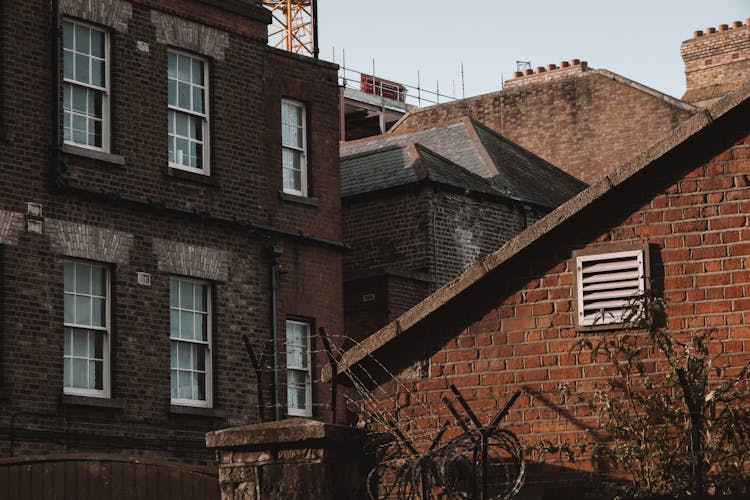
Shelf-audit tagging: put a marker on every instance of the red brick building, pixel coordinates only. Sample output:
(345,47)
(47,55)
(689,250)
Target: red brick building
(169,183)
(679,211)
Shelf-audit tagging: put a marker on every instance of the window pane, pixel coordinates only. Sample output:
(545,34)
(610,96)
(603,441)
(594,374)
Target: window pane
(69,309)
(200,327)
(173,354)
(68,35)
(183,95)
(174,293)
(184,356)
(174,323)
(97,43)
(98,341)
(200,381)
(96,375)
(83,310)
(199,357)
(82,39)
(68,369)
(68,339)
(80,373)
(173,383)
(198,100)
(197,72)
(172,65)
(186,295)
(97,72)
(80,96)
(183,68)
(69,276)
(95,138)
(196,128)
(98,281)
(99,312)
(172,93)
(181,124)
(68,65)
(80,343)
(95,104)
(83,278)
(295,113)
(182,152)
(185,385)
(82,69)
(186,325)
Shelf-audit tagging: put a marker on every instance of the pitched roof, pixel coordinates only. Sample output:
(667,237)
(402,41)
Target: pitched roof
(407,164)
(615,180)
(516,173)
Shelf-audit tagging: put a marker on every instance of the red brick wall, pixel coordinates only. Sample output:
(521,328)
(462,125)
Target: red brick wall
(515,329)
(566,121)
(149,204)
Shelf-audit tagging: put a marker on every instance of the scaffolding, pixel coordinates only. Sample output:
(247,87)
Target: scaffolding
(294,26)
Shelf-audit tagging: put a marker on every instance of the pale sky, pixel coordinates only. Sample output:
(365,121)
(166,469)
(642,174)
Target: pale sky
(638,39)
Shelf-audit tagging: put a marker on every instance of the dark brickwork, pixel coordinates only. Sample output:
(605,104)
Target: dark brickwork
(129,211)
(566,120)
(408,243)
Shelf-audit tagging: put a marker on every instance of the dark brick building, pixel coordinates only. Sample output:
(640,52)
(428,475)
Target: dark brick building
(168,184)
(421,207)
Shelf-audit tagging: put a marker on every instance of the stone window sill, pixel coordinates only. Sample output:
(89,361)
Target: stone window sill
(176,173)
(94,155)
(303,200)
(71,400)
(197,411)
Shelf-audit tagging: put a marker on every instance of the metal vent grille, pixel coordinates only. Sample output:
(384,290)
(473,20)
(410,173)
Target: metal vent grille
(608,286)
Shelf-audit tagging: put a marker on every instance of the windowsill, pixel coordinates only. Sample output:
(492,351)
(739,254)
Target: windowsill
(177,173)
(295,198)
(197,411)
(94,155)
(72,400)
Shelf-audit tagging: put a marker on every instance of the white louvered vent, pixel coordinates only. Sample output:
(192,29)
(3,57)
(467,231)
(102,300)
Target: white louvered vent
(608,286)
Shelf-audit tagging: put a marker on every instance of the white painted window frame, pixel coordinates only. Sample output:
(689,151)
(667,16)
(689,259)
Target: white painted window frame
(307,410)
(208,402)
(204,117)
(104,91)
(303,188)
(105,392)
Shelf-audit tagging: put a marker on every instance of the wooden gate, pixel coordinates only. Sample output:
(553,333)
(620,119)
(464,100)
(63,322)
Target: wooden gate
(104,477)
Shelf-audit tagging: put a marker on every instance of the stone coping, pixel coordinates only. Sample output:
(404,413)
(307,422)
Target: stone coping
(283,433)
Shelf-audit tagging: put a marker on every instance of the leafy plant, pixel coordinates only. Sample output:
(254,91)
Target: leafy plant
(674,412)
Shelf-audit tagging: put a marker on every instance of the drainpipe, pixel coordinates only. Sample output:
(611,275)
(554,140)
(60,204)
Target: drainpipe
(56,92)
(276,252)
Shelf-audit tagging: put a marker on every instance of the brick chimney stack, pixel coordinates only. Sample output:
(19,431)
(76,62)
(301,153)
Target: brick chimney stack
(717,60)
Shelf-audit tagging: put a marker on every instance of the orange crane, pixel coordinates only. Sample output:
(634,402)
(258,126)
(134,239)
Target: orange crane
(294,26)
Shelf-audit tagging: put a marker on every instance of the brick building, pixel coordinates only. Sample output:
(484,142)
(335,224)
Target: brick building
(680,213)
(169,183)
(419,208)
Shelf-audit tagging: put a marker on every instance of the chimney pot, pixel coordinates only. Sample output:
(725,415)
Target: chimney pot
(564,64)
(575,62)
(737,24)
(584,64)
(723,27)
(539,69)
(710,30)
(529,72)
(518,74)
(551,67)
(747,21)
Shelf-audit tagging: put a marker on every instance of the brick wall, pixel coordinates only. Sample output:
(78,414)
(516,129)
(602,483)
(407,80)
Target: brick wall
(515,329)
(132,213)
(566,120)
(716,63)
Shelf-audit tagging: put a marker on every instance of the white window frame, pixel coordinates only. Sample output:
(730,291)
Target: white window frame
(204,169)
(105,331)
(103,91)
(208,389)
(608,285)
(307,410)
(302,191)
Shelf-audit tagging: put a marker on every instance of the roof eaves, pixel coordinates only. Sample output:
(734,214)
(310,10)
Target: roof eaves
(526,238)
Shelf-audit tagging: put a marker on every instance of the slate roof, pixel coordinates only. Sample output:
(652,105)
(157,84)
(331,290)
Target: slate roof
(406,164)
(516,173)
(617,179)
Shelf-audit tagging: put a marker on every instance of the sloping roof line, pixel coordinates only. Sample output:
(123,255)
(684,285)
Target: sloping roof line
(527,238)
(672,101)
